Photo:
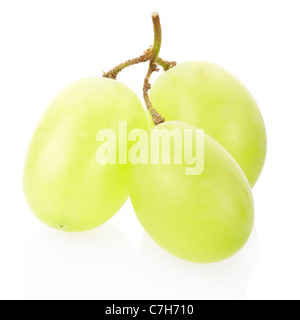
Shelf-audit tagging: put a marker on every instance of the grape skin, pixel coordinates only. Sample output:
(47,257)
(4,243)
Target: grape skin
(210,98)
(63,183)
(201,218)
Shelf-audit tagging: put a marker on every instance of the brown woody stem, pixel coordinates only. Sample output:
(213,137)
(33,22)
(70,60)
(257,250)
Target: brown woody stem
(167,65)
(112,74)
(148,55)
(151,55)
(157,118)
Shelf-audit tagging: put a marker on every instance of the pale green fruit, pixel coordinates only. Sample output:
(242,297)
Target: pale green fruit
(210,98)
(200,218)
(64,184)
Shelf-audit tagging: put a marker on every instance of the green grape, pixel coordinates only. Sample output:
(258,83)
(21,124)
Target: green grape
(200,218)
(210,98)
(64,184)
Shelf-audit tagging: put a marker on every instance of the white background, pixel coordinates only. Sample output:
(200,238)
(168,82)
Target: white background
(45,45)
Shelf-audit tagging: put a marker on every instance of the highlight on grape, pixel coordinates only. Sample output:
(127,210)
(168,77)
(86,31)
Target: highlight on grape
(187,147)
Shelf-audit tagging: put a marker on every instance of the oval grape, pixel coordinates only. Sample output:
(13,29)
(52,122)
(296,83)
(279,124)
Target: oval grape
(200,218)
(64,184)
(210,98)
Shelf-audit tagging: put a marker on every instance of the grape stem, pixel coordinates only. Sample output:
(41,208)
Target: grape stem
(156,117)
(113,73)
(148,55)
(151,55)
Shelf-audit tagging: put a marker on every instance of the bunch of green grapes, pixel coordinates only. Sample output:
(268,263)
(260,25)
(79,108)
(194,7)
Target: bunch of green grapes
(203,216)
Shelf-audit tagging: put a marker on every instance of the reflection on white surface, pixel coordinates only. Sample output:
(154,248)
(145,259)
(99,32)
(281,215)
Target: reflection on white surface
(103,264)
(172,278)
(99,264)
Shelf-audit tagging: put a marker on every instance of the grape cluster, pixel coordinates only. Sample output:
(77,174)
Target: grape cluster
(202,218)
